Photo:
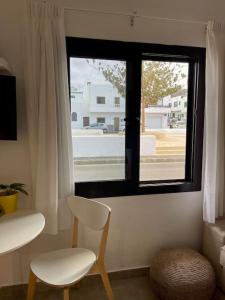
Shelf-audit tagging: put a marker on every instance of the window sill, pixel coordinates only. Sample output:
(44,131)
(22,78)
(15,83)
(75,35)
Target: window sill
(122,188)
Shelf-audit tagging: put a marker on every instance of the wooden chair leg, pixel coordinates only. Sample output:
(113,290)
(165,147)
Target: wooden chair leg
(31,286)
(106,282)
(66,294)
(77,285)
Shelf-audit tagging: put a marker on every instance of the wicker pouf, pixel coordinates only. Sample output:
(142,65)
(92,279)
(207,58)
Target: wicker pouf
(182,274)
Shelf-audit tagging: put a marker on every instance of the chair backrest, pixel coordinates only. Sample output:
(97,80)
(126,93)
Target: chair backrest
(89,212)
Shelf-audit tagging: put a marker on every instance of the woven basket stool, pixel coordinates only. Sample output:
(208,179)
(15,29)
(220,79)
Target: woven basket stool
(182,274)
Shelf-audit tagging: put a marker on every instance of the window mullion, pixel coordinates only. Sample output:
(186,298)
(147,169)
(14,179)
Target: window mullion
(133,119)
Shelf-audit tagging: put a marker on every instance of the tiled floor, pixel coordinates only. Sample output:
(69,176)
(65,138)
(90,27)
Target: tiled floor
(124,289)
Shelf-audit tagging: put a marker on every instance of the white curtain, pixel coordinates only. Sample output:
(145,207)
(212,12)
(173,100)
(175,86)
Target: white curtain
(48,111)
(214,184)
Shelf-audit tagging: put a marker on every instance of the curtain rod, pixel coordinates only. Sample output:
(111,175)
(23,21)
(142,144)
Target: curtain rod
(134,15)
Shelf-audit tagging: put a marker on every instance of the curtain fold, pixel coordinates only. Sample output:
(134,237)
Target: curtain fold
(214,197)
(48,111)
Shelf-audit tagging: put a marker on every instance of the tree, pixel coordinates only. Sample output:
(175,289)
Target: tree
(116,75)
(113,73)
(159,79)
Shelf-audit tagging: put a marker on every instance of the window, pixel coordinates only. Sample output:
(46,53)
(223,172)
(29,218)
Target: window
(86,122)
(100,100)
(74,116)
(154,149)
(101,120)
(117,101)
(97,148)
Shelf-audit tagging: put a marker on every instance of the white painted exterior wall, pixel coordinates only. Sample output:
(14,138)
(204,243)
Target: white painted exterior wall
(109,92)
(108,146)
(80,106)
(156,117)
(84,103)
(178,110)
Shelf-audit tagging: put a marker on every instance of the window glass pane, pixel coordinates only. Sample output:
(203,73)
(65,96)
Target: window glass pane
(98,133)
(74,116)
(100,120)
(101,100)
(117,101)
(163,120)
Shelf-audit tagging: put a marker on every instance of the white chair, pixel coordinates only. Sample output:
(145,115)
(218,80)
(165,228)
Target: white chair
(65,267)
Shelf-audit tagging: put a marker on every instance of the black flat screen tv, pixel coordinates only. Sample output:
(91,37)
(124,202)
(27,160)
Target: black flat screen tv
(8,123)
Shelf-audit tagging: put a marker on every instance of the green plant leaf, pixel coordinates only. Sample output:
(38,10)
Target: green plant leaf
(13,187)
(4,186)
(22,190)
(16,184)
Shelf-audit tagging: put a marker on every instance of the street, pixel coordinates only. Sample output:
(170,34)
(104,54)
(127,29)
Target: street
(148,171)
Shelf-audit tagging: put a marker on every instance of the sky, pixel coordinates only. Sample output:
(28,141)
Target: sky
(83,71)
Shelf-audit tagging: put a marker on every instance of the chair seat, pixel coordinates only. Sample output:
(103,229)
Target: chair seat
(63,267)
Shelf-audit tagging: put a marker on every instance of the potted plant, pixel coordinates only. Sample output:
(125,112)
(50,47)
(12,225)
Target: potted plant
(8,196)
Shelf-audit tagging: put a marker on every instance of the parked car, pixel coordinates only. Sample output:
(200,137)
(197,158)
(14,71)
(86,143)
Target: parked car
(181,124)
(122,127)
(101,126)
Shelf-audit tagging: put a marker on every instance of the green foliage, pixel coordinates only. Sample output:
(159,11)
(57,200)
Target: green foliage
(10,189)
(116,76)
(159,79)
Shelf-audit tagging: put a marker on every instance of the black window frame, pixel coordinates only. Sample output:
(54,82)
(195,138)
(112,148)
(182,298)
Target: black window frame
(134,53)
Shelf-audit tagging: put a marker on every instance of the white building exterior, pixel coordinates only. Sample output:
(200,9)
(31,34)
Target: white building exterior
(109,145)
(178,108)
(97,103)
(101,103)
(156,117)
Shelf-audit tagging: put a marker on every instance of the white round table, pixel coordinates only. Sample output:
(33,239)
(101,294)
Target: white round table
(19,228)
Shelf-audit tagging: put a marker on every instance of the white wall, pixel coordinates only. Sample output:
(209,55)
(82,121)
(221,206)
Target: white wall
(85,105)
(108,145)
(140,225)
(14,158)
